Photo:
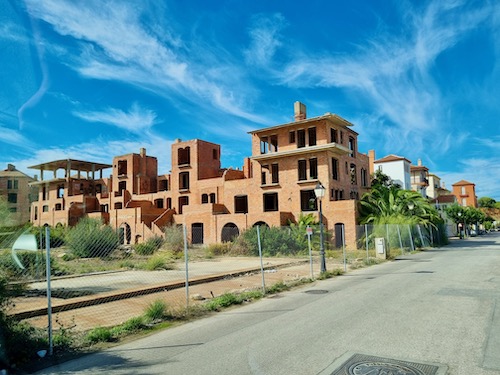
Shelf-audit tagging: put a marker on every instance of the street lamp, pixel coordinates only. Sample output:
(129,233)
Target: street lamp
(319,191)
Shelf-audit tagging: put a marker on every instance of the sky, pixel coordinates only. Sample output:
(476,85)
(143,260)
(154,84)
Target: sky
(94,79)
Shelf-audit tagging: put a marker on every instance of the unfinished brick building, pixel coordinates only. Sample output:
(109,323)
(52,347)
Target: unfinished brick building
(275,185)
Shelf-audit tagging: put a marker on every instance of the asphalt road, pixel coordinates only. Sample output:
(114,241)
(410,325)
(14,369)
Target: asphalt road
(439,309)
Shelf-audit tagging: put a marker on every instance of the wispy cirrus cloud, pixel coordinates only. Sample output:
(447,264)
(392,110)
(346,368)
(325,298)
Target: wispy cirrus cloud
(392,74)
(13,137)
(115,44)
(266,38)
(135,120)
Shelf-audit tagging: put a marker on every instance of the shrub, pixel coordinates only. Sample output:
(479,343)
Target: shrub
(148,247)
(156,310)
(57,235)
(19,342)
(32,261)
(131,325)
(174,238)
(274,242)
(157,262)
(218,249)
(99,334)
(225,300)
(90,238)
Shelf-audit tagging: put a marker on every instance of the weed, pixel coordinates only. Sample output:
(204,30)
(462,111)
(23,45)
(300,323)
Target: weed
(278,287)
(225,300)
(156,263)
(218,249)
(99,334)
(156,310)
(330,274)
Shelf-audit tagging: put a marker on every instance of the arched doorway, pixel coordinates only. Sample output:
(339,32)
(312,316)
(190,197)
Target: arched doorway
(229,232)
(261,224)
(125,234)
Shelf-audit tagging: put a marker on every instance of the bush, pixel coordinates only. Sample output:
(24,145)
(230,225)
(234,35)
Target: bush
(274,242)
(156,310)
(32,261)
(19,342)
(57,236)
(148,247)
(225,300)
(90,238)
(99,334)
(157,262)
(218,249)
(174,238)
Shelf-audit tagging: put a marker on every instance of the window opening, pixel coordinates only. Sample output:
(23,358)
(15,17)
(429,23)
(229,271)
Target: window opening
(184,156)
(241,204)
(312,136)
(308,200)
(313,168)
(275,173)
(184,180)
(301,138)
(302,170)
(270,202)
(335,169)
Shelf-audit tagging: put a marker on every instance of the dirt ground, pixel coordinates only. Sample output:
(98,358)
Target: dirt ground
(117,312)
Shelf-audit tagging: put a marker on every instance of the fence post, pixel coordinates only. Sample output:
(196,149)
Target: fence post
(400,241)
(366,237)
(186,263)
(261,262)
(411,238)
(420,233)
(309,233)
(343,248)
(388,244)
(49,293)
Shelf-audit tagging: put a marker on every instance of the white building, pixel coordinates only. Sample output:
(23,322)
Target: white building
(397,168)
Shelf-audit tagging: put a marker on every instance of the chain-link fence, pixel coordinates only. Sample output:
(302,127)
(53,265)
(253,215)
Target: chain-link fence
(95,281)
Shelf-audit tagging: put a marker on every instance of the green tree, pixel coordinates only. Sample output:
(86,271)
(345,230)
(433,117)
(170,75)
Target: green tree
(381,179)
(392,205)
(486,202)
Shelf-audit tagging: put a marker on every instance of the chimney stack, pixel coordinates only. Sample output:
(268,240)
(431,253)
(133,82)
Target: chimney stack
(299,110)
(419,162)
(143,152)
(11,167)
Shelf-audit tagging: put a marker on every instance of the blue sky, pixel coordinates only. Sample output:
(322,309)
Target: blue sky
(91,79)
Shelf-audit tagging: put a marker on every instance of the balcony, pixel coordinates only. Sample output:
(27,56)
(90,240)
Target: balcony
(332,147)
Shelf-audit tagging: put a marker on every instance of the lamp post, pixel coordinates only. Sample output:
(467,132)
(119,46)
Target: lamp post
(319,191)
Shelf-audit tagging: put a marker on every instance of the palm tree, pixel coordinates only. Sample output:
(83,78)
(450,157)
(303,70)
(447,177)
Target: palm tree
(392,205)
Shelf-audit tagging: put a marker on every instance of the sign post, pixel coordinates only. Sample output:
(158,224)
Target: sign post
(309,232)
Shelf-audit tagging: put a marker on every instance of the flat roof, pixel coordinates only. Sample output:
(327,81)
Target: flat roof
(328,116)
(79,165)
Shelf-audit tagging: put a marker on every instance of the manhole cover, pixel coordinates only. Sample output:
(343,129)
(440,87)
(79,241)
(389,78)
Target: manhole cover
(316,291)
(424,272)
(360,364)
